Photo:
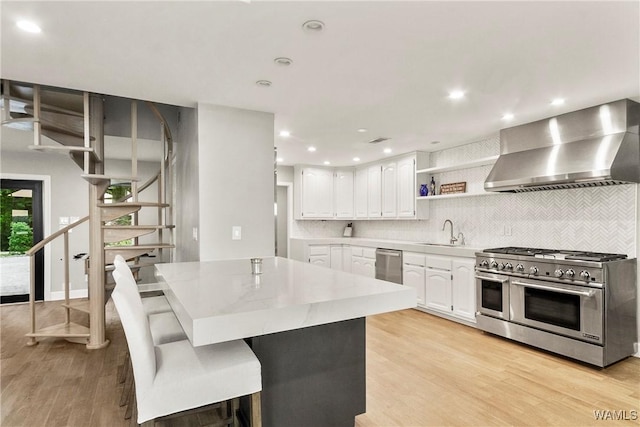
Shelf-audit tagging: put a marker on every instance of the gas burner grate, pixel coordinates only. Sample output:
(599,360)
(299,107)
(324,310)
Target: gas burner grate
(562,254)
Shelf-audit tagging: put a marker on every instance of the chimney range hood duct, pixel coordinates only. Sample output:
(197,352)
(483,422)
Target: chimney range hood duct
(591,147)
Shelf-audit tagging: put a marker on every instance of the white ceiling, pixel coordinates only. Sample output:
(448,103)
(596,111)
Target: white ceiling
(385,66)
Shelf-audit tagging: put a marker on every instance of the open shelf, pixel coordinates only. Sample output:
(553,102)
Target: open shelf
(457,195)
(472,164)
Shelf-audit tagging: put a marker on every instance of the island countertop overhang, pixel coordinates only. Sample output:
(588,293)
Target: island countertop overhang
(218,301)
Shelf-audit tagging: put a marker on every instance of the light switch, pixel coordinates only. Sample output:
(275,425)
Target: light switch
(194,232)
(236,232)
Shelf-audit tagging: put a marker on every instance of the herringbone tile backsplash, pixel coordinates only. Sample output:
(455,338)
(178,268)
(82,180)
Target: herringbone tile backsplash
(601,219)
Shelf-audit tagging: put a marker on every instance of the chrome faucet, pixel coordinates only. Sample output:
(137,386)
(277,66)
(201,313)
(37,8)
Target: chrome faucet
(452,239)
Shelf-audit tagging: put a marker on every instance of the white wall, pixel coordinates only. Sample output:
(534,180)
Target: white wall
(186,211)
(236,182)
(285,174)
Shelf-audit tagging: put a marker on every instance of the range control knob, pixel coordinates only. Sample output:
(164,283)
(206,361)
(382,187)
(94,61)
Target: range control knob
(520,268)
(558,273)
(584,275)
(533,270)
(501,266)
(570,273)
(494,264)
(484,264)
(508,266)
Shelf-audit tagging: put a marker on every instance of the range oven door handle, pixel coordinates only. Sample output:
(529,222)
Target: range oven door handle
(587,294)
(491,279)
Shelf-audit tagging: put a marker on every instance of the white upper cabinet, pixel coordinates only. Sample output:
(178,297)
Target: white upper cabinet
(344,196)
(406,194)
(317,193)
(361,193)
(381,190)
(374,196)
(389,190)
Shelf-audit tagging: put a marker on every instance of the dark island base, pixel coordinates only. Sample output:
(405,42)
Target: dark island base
(313,376)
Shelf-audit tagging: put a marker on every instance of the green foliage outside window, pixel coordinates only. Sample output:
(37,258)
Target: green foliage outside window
(8,204)
(21,238)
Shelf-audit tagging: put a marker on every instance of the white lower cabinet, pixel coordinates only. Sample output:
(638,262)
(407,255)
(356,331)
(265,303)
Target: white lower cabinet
(346,258)
(413,274)
(438,289)
(336,257)
(464,288)
(363,261)
(319,255)
(443,284)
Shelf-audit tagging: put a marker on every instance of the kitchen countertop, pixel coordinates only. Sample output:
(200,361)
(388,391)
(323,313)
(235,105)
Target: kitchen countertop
(435,249)
(217,301)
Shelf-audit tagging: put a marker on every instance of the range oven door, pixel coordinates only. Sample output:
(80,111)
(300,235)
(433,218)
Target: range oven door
(570,310)
(492,293)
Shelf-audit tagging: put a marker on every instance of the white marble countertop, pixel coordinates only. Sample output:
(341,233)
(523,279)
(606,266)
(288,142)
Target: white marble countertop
(218,301)
(436,249)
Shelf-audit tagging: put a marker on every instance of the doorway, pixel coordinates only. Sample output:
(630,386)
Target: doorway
(21,226)
(283,218)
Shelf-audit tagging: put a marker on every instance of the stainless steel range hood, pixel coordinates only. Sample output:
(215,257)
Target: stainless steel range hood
(591,147)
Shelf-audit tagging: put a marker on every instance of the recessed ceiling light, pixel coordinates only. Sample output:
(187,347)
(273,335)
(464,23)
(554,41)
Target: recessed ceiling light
(557,101)
(312,149)
(327,162)
(263,83)
(28,26)
(362,130)
(387,150)
(313,26)
(285,62)
(279,160)
(456,94)
(507,116)
(356,159)
(285,133)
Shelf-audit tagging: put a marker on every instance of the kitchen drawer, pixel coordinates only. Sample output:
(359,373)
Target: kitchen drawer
(413,258)
(356,250)
(438,262)
(318,250)
(369,253)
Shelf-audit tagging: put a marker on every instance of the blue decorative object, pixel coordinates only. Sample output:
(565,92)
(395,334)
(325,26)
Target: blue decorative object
(424,190)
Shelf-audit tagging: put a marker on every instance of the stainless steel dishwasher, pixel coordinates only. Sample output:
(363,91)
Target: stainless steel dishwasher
(389,265)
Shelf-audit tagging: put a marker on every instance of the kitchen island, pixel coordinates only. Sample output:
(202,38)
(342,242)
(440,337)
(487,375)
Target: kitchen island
(306,325)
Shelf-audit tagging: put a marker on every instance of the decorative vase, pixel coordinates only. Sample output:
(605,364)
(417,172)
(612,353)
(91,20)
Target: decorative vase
(424,190)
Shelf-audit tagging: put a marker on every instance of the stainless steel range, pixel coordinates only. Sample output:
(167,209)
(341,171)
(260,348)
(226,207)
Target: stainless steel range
(578,304)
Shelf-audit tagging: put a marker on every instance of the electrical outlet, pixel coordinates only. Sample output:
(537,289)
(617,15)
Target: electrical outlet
(507,230)
(194,232)
(236,232)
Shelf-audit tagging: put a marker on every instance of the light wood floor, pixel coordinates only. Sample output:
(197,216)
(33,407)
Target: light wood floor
(421,371)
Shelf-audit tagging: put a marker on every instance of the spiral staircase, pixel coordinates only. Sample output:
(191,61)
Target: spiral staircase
(73,124)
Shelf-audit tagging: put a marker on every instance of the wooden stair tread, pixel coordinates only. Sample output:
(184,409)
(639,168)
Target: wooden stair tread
(118,233)
(137,227)
(143,246)
(60,148)
(62,330)
(131,204)
(101,179)
(81,305)
(134,266)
